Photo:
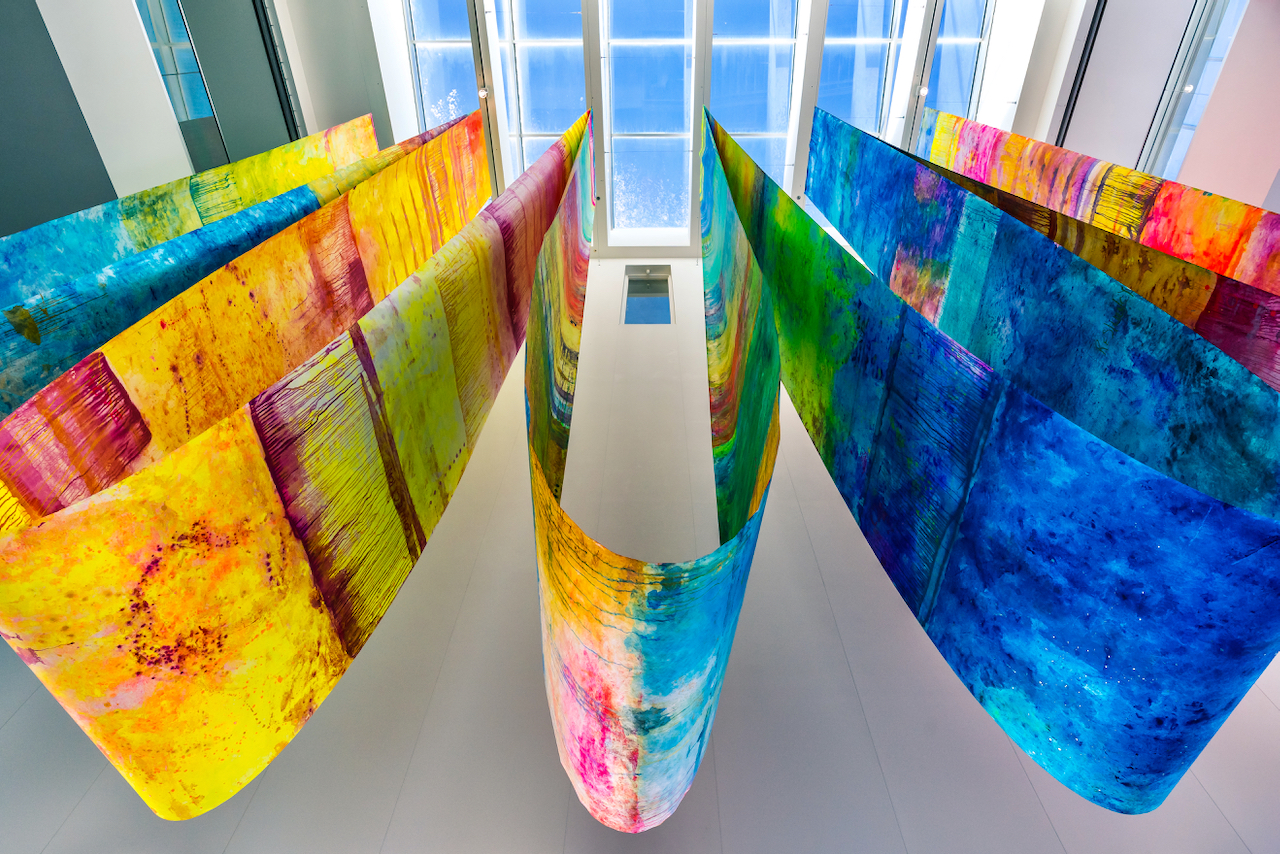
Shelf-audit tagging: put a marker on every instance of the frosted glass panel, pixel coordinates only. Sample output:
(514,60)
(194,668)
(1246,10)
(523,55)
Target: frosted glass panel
(553,91)
(859,19)
(651,183)
(447,74)
(852,83)
(440,19)
(751,87)
(775,18)
(651,19)
(549,19)
(650,88)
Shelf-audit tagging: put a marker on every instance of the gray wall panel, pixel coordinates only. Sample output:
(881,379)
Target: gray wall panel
(49,164)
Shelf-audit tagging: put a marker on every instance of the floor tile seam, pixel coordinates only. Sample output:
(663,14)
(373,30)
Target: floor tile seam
(1261,690)
(1035,791)
(1191,773)
(79,801)
(257,786)
(21,706)
(426,709)
(715,783)
(844,649)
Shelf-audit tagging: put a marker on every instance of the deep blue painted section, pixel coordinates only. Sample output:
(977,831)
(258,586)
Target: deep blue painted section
(73,319)
(1051,323)
(1107,616)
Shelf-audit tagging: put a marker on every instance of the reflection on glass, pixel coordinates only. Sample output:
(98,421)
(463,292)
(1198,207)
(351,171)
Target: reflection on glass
(650,19)
(171,46)
(775,18)
(853,83)
(859,59)
(651,88)
(1197,85)
(751,87)
(549,19)
(651,179)
(955,59)
(553,87)
(447,81)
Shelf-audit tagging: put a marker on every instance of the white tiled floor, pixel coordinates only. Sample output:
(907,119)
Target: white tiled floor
(840,728)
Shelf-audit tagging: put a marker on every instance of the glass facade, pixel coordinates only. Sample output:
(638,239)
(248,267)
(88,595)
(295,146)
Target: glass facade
(649,104)
(171,46)
(542,71)
(442,58)
(753,47)
(859,58)
(955,59)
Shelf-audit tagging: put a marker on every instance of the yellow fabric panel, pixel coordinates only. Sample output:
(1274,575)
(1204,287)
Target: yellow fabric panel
(186,636)
(13,516)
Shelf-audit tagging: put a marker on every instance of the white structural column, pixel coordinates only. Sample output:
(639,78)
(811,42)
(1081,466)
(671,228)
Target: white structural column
(391,37)
(811,32)
(105,52)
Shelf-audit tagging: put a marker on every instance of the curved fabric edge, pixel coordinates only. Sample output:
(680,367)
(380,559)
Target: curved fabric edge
(193,616)
(634,652)
(1109,618)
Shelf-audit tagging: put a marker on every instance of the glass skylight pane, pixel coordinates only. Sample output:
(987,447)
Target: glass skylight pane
(198,106)
(769,153)
(650,91)
(651,19)
(518,163)
(851,86)
(535,147)
(651,183)
(859,19)
(751,87)
(774,18)
(951,80)
(185,59)
(448,78)
(440,19)
(548,19)
(553,91)
(173,21)
(962,19)
(503,10)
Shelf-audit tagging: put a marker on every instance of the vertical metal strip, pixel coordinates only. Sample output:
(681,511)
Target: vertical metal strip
(484,87)
(593,66)
(703,27)
(1094,24)
(920,78)
(810,43)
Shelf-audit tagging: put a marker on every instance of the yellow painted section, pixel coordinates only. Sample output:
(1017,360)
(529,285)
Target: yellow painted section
(186,636)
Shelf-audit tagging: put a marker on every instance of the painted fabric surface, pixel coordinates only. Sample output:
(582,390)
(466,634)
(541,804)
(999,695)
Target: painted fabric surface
(1052,324)
(193,616)
(57,326)
(1108,617)
(1232,238)
(80,243)
(1238,319)
(203,354)
(635,652)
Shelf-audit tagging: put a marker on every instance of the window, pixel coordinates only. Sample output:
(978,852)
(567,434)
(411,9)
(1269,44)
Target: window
(859,58)
(442,60)
(752,50)
(955,59)
(542,71)
(176,58)
(648,95)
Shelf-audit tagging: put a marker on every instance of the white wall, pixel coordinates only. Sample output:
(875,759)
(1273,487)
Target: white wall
(1014,27)
(104,50)
(1135,48)
(333,56)
(1049,68)
(390,33)
(1236,148)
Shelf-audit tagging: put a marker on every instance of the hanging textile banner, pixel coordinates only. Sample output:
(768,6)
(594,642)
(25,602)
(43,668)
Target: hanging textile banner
(206,352)
(57,325)
(193,615)
(635,652)
(1232,238)
(1234,317)
(72,246)
(1007,426)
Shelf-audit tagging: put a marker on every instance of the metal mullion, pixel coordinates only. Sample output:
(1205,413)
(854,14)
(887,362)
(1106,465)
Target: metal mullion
(519,88)
(931,22)
(804,93)
(494,125)
(896,15)
(592,69)
(414,72)
(703,37)
(980,65)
